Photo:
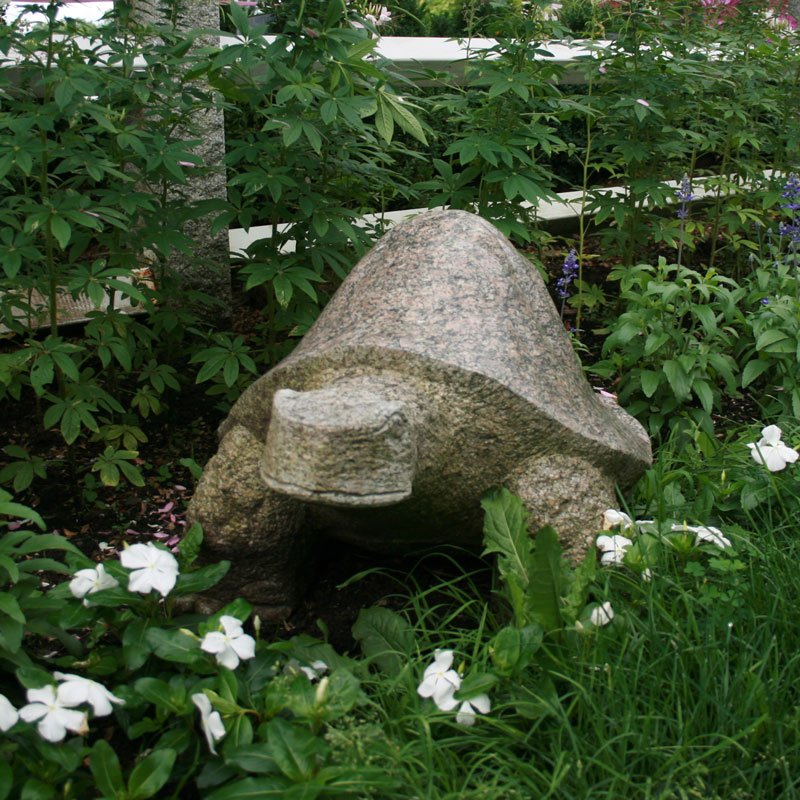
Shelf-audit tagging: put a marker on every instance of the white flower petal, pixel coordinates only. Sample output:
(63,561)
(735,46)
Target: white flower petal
(616,519)
(245,646)
(771,435)
(481,703)
(46,695)
(602,615)
(210,720)
(231,625)
(8,714)
(466,714)
(214,642)
(51,728)
(228,658)
(137,556)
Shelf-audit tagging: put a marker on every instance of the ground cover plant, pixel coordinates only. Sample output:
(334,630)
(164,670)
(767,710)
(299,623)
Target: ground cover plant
(662,665)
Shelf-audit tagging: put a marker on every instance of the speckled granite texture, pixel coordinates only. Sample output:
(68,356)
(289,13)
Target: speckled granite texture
(439,370)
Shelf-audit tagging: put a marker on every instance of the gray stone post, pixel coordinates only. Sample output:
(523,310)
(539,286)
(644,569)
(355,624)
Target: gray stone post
(207,268)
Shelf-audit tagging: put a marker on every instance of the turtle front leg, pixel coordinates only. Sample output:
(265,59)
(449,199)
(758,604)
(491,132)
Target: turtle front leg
(567,493)
(258,530)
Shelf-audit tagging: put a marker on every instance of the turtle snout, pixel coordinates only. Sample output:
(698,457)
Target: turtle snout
(341,446)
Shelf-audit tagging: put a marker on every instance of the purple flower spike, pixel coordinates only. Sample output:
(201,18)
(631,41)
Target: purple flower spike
(791,193)
(685,196)
(568,274)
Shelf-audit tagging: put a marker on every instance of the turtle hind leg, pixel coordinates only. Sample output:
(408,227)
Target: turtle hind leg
(568,493)
(259,531)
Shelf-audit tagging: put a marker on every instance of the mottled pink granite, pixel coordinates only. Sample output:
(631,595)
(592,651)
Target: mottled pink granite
(438,371)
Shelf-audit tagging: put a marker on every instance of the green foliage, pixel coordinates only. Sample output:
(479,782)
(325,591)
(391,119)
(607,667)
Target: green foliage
(312,138)
(672,346)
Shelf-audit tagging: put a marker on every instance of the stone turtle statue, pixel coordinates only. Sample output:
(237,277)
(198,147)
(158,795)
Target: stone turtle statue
(439,370)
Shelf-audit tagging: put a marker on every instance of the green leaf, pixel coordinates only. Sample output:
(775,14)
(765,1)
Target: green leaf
(34,789)
(650,380)
(160,694)
(775,341)
(297,752)
(175,646)
(106,770)
(150,775)
(201,579)
(135,648)
(10,607)
(253,758)
(384,121)
(189,548)
(505,532)
(582,578)
(678,379)
(753,370)
(61,231)
(385,637)
(252,789)
(704,394)
(479,683)
(6,780)
(545,583)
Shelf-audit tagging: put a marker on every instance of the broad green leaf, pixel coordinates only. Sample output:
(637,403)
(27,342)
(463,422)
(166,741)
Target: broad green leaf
(6,780)
(753,370)
(106,770)
(252,789)
(253,758)
(189,548)
(704,394)
(10,607)
(545,580)
(650,380)
(384,121)
(135,648)
(678,379)
(297,752)
(176,646)
(386,638)
(149,775)
(776,340)
(505,532)
(160,694)
(201,579)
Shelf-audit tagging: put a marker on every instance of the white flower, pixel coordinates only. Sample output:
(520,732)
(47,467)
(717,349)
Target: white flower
(8,714)
(704,533)
(612,548)
(153,568)
(76,690)
(315,671)
(440,682)
(210,720)
(647,575)
(616,519)
(230,644)
(54,714)
(770,451)
(89,581)
(602,615)
(466,714)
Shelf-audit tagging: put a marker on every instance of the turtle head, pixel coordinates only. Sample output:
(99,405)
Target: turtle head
(343,445)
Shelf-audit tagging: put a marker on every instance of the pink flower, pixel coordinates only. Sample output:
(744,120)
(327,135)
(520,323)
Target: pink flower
(642,102)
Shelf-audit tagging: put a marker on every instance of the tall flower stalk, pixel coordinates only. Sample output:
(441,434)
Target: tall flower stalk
(791,229)
(569,272)
(685,196)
